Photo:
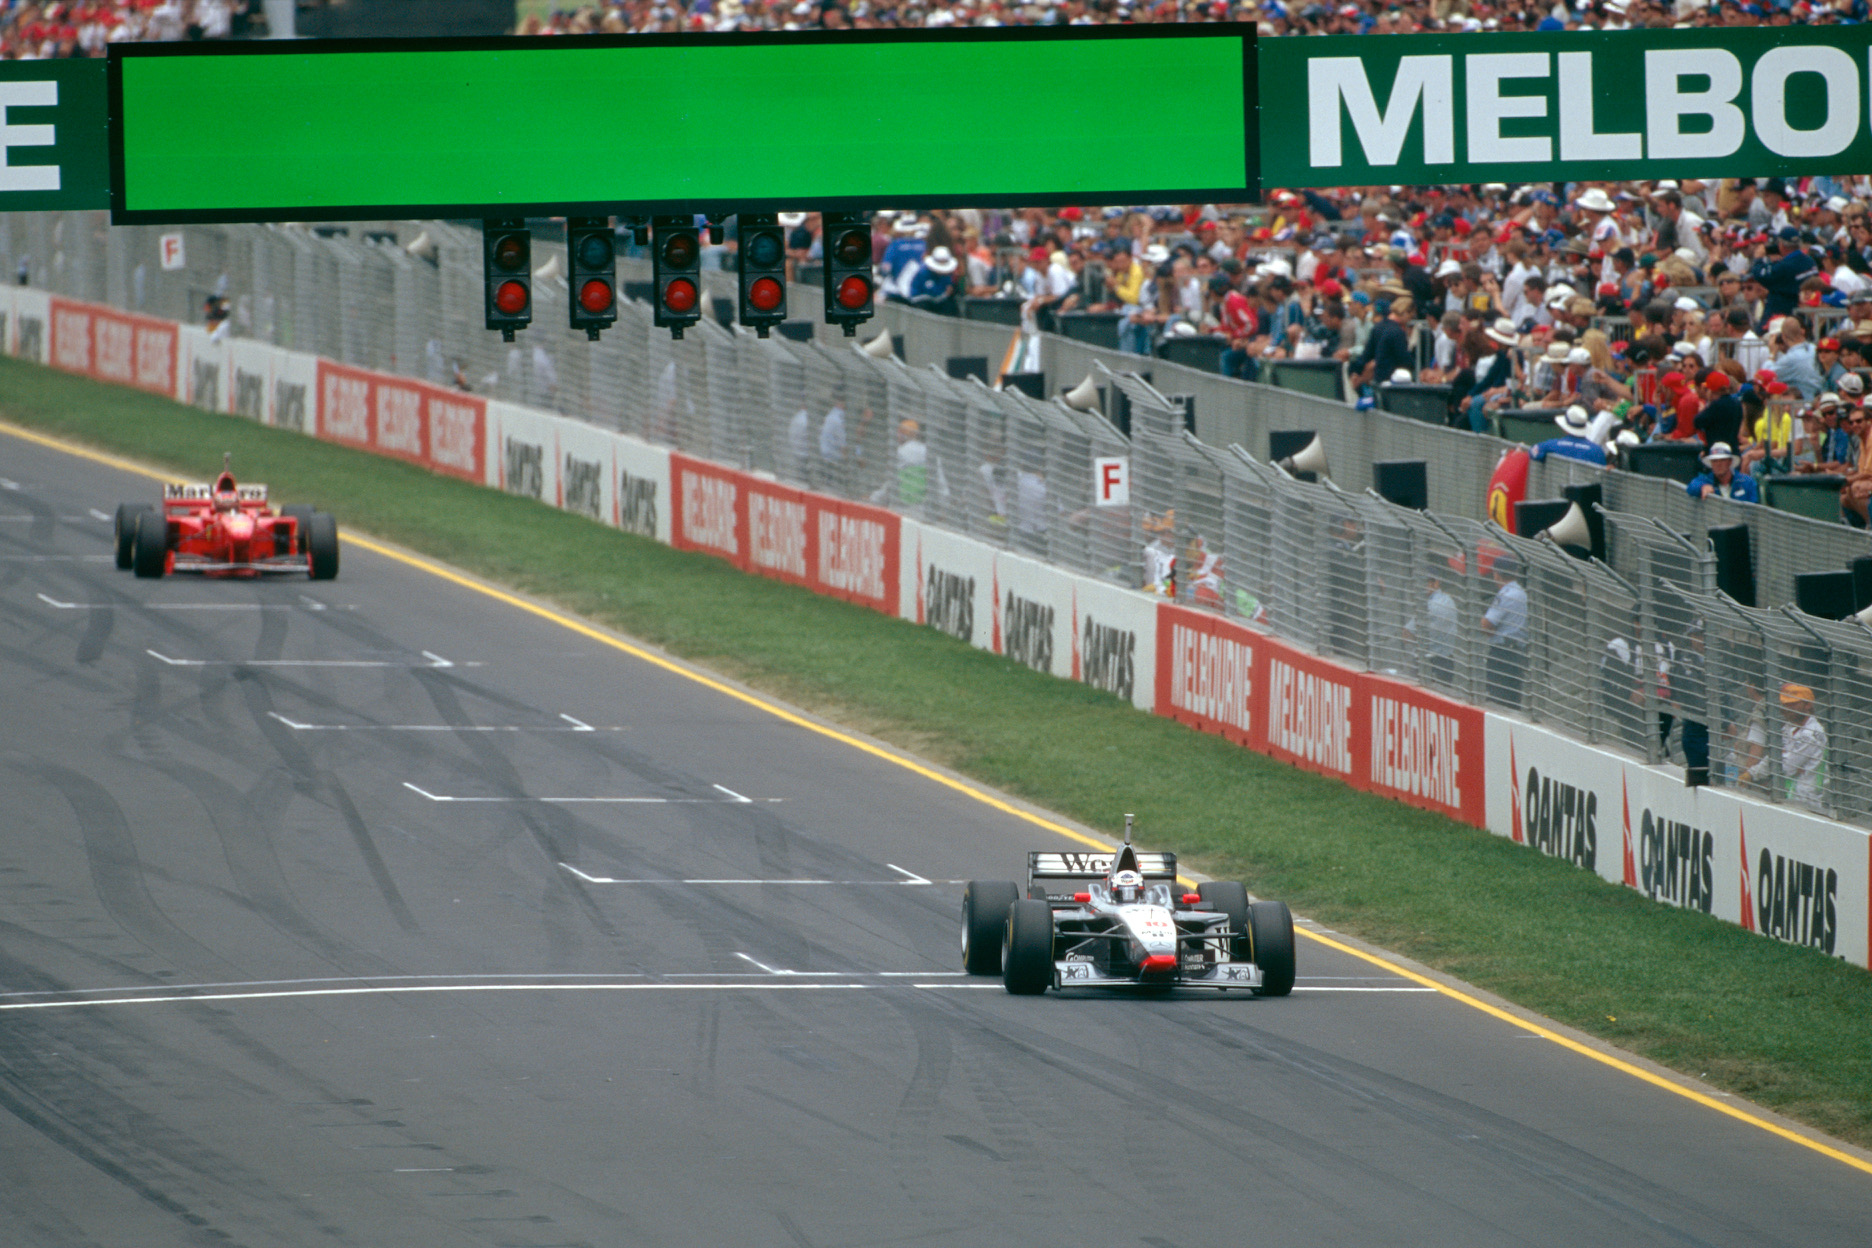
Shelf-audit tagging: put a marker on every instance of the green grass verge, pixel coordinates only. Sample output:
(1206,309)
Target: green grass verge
(1783,1026)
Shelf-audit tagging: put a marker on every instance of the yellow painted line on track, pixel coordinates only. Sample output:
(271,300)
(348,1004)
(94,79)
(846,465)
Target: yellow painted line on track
(987,799)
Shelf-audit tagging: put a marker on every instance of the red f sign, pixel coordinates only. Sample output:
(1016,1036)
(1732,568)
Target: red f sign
(1111,481)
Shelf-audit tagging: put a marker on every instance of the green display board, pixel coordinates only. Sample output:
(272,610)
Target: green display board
(52,136)
(516,127)
(1605,106)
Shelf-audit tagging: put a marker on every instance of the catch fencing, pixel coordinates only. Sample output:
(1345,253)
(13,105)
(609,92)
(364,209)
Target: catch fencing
(1607,653)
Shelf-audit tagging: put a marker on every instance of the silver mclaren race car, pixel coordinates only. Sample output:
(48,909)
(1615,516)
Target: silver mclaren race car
(1121,920)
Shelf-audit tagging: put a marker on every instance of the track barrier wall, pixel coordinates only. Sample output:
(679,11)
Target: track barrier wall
(1772,869)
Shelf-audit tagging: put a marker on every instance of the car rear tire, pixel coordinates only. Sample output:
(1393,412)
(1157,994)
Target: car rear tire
(1027,955)
(1272,924)
(302,512)
(984,922)
(322,545)
(1231,898)
(124,532)
(149,547)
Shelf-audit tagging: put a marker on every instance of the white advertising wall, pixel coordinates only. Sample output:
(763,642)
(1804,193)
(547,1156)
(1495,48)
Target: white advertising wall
(523,452)
(641,490)
(951,580)
(1776,870)
(29,328)
(587,470)
(203,376)
(293,390)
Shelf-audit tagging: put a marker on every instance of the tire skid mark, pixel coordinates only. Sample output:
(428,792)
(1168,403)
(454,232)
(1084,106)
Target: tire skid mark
(916,1110)
(117,874)
(323,786)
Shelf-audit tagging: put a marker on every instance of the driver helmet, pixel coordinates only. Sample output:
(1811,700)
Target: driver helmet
(1127,886)
(226,499)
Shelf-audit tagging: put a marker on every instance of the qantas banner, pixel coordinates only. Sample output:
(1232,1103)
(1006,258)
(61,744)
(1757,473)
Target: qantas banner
(1032,621)
(523,452)
(641,493)
(587,471)
(118,347)
(292,395)
(202,369)
(954,579)
(1777,870)
(29,329)
(1114,640)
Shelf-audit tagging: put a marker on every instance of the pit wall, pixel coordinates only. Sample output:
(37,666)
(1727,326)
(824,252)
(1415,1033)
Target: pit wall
(1782,872)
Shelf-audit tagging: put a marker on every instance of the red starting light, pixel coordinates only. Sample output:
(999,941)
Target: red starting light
(853,247)
(765,294)
(679,295)
(1082,898)
(854,292)
(511,298)
(595,296)
(510,253)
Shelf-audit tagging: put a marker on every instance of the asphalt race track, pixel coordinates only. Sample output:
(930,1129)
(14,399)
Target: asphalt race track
(485,933)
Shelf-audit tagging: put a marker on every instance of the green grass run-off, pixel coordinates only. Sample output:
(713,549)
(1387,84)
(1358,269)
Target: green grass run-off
(1782,1026)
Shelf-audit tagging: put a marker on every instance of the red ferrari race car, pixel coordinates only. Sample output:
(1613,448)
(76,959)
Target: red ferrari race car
(225,529)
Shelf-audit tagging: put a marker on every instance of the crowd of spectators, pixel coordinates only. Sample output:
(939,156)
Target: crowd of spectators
(1735,316)
(42,29)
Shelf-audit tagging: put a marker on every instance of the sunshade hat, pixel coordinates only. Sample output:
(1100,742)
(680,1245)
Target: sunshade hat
(1574,421)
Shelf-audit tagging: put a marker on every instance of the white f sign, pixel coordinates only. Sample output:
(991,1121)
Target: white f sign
(26,177)
(169,247)
(1111,481)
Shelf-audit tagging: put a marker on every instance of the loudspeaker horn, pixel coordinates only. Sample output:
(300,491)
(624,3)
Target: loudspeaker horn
(1309,458)
(554,267)
(880,347)
(1083,397)
(423,247)
(1571,529)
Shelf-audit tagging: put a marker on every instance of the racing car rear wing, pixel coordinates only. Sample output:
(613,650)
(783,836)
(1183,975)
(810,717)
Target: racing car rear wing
(1052,866)
(202,492)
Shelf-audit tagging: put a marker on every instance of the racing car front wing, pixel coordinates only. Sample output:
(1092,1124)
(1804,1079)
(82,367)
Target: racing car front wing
(270,563)
(1082,973)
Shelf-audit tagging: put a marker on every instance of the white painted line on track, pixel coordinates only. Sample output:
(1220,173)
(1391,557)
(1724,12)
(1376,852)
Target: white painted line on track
(752,985)
(299,727)
(578,725)
(58,558)
(6,484)
(795,881)
(632,801)
(722,788)
(435,661)
(99,515)
(424,1170)
(173,606)
(774,970)
(914,878)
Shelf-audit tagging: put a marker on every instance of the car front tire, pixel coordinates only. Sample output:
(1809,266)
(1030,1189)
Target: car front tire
(984,920)
(1027,953)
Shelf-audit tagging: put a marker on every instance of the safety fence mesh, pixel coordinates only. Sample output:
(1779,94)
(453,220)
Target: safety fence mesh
(1637,652)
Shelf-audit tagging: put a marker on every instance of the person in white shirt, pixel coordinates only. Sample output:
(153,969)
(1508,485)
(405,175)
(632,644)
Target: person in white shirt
(1803,747)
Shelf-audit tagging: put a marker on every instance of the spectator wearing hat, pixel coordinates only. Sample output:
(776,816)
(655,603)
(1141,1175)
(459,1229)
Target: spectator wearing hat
(1721,417)
(1828,446)
(1720,478)
(1573,443)
(1803,748)
(932,286)
(1827,358)
(1494,372)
